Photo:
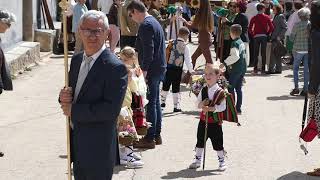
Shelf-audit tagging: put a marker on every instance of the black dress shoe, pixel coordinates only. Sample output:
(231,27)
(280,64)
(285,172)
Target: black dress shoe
(277,72)
(1,154)
(177,110)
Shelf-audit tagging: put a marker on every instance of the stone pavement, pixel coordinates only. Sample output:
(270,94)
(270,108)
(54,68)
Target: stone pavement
(265,147)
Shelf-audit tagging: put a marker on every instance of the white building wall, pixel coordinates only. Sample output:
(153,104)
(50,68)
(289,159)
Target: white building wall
(14,34)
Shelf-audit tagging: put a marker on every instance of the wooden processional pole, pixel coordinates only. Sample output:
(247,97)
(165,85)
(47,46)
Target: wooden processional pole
(64,5)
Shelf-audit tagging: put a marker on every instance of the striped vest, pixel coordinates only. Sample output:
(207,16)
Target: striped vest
(229,114)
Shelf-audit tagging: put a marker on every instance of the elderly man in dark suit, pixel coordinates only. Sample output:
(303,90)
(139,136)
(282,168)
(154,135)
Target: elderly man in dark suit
(151,51)
(6,18)
(98,82)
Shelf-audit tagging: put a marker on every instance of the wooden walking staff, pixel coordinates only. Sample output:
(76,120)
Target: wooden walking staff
(205,140)
(64,5)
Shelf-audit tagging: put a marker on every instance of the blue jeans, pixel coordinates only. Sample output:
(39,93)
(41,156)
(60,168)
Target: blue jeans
(154,114)
(297,58)
(235,80)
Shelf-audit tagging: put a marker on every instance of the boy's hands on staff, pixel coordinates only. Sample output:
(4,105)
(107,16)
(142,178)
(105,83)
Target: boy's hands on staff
(206,109)
(204,105)
(65,98)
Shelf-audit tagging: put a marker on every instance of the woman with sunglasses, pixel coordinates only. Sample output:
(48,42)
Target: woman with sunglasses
(228,15)
(243,21)
(6,18)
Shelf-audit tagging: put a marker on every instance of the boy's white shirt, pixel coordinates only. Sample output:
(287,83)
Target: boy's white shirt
(211,91)
(233,57)
(187,58)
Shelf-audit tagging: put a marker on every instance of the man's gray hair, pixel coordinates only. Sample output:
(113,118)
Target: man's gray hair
(304,14)
(93,14)
(7,17)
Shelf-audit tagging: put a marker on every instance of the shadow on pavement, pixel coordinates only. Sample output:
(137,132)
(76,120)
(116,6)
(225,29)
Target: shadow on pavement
(193,113)
(189,173)
(117,169)
(284,97)
(169,114)
(297,176)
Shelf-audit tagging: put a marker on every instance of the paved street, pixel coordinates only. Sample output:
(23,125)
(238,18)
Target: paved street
(265,147)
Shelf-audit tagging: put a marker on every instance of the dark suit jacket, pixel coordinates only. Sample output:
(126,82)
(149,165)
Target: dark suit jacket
(95,112)
(5,76)
(151,47)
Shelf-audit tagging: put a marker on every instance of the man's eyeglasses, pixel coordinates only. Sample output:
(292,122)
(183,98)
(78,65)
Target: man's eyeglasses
(95,32)
(233,6)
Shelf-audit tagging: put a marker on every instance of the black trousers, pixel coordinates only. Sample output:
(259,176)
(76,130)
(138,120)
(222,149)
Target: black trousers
(173,77)
(214,133)
(260,42)
(251,47)
(84,174)
(226,49)
(127,41)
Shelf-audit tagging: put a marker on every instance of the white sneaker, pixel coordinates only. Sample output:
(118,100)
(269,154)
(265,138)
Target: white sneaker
(133,164)
(196,163)
(136,156)
(222,165)
(123,162)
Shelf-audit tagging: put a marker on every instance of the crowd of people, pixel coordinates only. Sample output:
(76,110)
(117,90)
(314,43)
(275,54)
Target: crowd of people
(242,33)
(112,94)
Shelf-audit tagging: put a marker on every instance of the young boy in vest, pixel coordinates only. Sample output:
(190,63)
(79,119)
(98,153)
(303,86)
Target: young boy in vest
(212,101)
(179,54)
(236,65)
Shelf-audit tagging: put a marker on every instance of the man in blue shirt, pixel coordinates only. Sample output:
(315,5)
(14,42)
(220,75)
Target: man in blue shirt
(79,9)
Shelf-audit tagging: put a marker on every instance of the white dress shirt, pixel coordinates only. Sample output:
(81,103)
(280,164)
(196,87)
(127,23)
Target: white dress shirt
(211,91)
(187,65)
(94,56)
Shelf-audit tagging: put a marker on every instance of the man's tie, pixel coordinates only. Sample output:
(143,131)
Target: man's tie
(84,70)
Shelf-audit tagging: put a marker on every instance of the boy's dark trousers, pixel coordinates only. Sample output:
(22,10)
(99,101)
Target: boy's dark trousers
(214,133)
(173,76)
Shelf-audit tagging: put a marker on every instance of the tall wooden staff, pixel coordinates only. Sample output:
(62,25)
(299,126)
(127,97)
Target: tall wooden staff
(64,5)
(205,141)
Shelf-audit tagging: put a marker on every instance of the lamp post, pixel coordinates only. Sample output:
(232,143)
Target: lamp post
(64,5)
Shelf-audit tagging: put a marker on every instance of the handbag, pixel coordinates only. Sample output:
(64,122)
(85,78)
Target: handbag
(279,49)
(311,130)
